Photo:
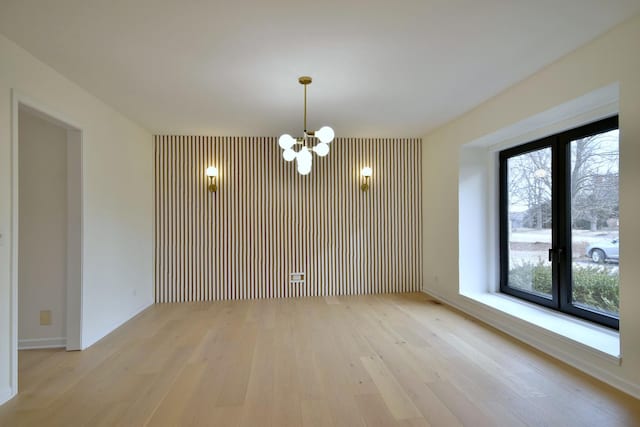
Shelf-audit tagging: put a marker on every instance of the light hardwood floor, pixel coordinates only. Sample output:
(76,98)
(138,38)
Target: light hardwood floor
(384,360)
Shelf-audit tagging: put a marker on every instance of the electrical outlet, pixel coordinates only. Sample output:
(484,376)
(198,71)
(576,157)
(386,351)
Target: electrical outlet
(45,317)
(296,277)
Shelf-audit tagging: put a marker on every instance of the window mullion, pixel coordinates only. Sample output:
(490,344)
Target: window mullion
(561,223)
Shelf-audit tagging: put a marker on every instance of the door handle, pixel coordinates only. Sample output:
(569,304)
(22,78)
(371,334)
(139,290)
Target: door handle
(557,252)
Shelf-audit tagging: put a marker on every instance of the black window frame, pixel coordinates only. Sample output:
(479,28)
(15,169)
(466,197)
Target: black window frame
(561,287)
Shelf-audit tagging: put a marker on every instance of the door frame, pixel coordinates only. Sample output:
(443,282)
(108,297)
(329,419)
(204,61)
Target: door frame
(560,252)
(74,288)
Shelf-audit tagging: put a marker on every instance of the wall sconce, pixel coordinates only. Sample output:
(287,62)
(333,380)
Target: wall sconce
(212,174)
(365,173)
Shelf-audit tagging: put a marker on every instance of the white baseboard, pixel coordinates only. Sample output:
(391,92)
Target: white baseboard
(542,342)
(35,343)
(6,394)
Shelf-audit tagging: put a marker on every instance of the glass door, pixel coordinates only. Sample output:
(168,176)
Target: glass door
(559,223)
(594,223)
(528,222)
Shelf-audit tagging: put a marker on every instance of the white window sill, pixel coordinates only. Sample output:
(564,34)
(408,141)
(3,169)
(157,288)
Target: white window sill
(602,341)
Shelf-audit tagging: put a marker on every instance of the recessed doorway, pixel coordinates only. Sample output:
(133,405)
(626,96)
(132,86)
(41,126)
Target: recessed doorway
(47,231)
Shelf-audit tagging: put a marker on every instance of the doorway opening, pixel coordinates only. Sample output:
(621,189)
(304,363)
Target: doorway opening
(47,232)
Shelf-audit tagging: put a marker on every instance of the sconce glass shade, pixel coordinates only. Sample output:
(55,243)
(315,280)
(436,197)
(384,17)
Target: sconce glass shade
(325,134)
(366,172)
(212,171)
(286,141)
(321,149)
(289,155)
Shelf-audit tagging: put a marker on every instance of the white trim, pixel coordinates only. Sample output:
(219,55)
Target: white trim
(43,111)
(542,340)
(36,343)
(75,241)
(13,268)
(19,99)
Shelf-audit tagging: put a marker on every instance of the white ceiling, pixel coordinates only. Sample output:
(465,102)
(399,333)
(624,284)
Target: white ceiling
(380,67)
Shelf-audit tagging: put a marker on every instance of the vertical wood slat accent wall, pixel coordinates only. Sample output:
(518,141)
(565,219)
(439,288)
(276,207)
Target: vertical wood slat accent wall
(266,221)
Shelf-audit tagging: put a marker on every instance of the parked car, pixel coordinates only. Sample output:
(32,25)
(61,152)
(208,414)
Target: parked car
(605,250)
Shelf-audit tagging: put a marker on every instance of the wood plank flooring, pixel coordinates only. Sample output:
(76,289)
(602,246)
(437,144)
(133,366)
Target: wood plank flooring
(382,360)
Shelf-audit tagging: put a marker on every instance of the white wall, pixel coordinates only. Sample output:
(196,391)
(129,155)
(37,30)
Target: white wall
(117,201)
(42,265)
(611,58)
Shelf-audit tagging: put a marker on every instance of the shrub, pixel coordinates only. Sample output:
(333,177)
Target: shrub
(532,277)
(596,287)
(593,286)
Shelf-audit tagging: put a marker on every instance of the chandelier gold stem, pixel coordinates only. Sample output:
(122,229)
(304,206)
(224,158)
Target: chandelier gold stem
(303,157)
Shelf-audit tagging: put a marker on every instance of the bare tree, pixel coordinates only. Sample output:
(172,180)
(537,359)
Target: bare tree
(530,185)
(594,179)
(594,182)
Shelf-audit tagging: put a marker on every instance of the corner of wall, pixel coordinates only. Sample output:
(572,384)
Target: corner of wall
(88,341)
(6,394)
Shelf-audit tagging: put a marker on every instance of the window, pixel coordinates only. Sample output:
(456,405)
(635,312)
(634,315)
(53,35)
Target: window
(559,221)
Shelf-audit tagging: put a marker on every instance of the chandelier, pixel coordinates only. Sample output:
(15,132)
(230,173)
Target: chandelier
(307,143)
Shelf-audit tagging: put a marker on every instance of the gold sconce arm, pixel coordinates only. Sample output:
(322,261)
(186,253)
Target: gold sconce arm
(365,184)
(212,174)
(213,186)
(366,174)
